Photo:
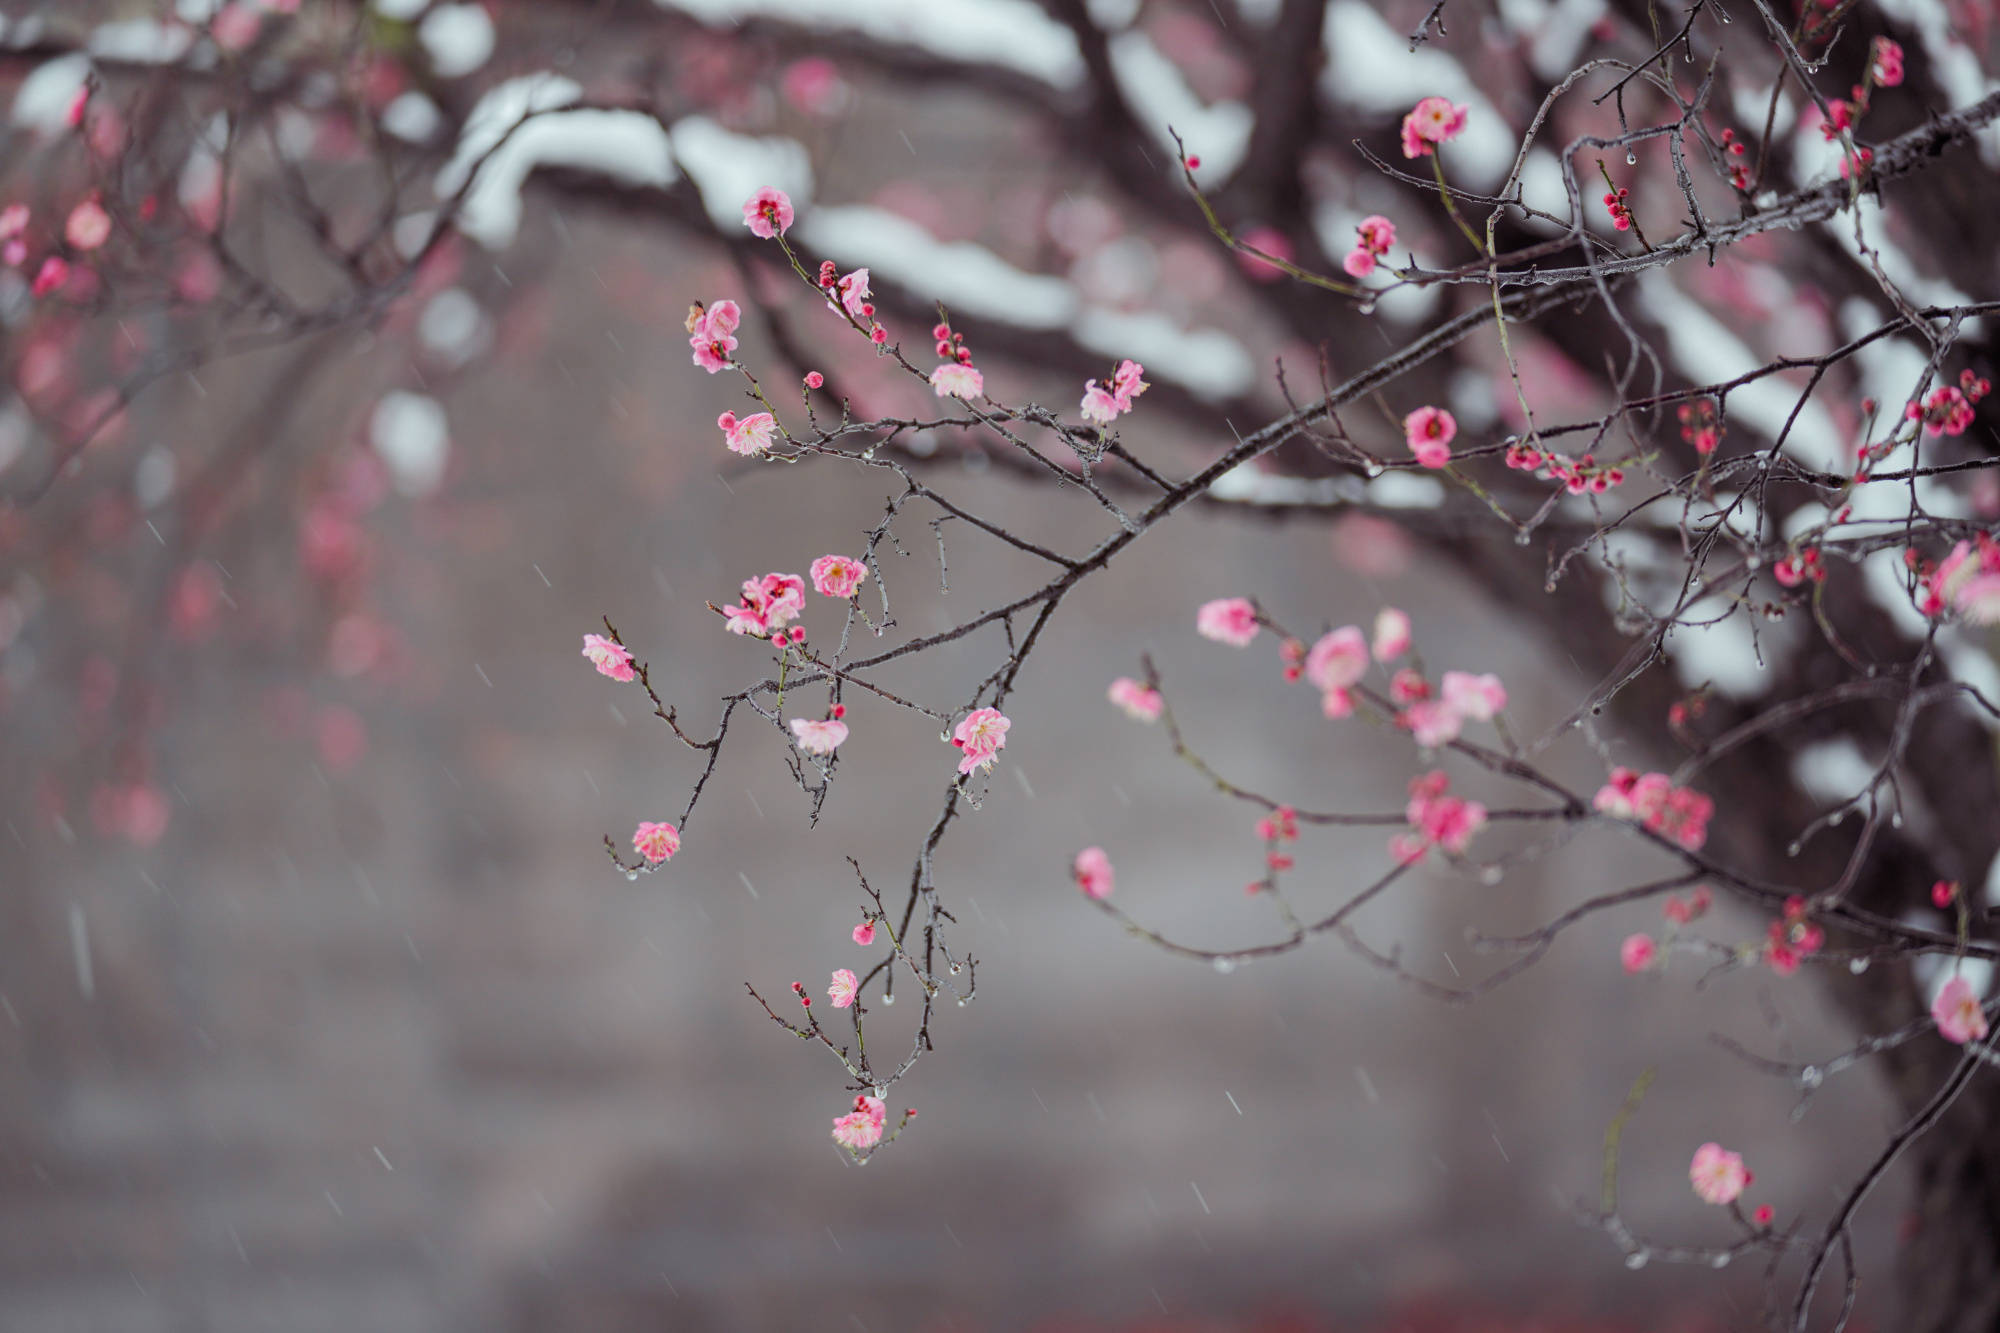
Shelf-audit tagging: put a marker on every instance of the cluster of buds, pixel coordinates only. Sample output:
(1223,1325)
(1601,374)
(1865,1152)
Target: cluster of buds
(805,1000)
(1792,938)
(1576,474)
(1948,410)
(1699,425)
(1614,203)
(1793,570)
(1652,799)
(951,346)
(1683,911)
(851,293)
(1739,171)
(1293,653)
(1683,711)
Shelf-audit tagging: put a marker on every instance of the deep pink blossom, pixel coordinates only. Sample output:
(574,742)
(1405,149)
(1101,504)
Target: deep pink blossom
(1957,1011)
(610,658)
(957,380)
(1637,953)
(841,989)
(1139,701)
(1433,121)
(1429,431)
(53,273)
(712,334)
(1230,620)
(837,575)
(982,734)
(1718,1176)
(1093,872)
(656,842)
(864,934)
(1886,62)
(819,736)
(768,213)
(1679,813)
(748,435)
(1437,819)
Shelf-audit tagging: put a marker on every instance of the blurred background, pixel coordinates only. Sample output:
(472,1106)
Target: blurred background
(343,1021)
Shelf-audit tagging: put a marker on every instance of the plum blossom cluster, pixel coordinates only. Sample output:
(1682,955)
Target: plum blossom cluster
(749,435)
(712,333)
(956,378)
(1948,410)
(980,735)
(1433,121)
(1739,171)
(861,1128)
(1657,805)
(1276,830)
(1885,70)
(1614,204)
(1700,425)
(1791,939)
(850,294)
(1639,952)
(1105,403)
(1801,567)
(1373,237)
(1429,432)
(1965,583)
(769,604)
(1577,475)
(1437,819)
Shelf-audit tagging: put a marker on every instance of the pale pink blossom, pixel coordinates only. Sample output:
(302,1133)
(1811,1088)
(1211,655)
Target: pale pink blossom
(656,842)
(1104,404)
(748,435)
(1140,702)
(1230,620)
(712,334)
(819,736)
(1093,872)
(1437,819)
(610,658)
(837,575)
(954,380)
(1429,431)
(13,221)
(1433,121)
(861,1128)
(1100,405)
(1339,660)
(1432,722)
(1957,1012)
(88,227)
(1392,634)
(981,734)
(864,934)
(1637,953)
(1476,698)
(853,292)
(841,989)
(1337,704)
(768,213)
(1718,1176)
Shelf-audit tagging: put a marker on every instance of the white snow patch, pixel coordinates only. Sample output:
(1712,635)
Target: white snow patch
(140,42)
(1723,653)
(458,38)
(1206,362)
(409,431)
(43,100)
(412,117)
(1832,771)
(402,10)
(153,479)
(1160,98)
(626,145)
(730,167)
(1246,483)
(1406,490)
(1014,34)
(453,327)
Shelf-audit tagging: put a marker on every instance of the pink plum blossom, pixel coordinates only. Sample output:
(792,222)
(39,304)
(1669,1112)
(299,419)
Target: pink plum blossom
(1432,722)
(1475,698)
(1373,237)
(955,380)
(13,221)
(1429,431)
(1093,873)
(1437,819)
(712,334)
(1718,1176)
(1230,620)
(747,435)
(1679,813)
(1433,121)
(53,273)
(1103,404)
(1957,1012)
(841,989)
(1637,953)
(1358,263)
(610,658)
(852,292)
(1140,702)
(1392,634)
(819,736)
(769,603)
(89,226)
(981,734)
(837,575)
(861,1128)
(864,934)
(1339,660)
(656,842)
(768,213)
